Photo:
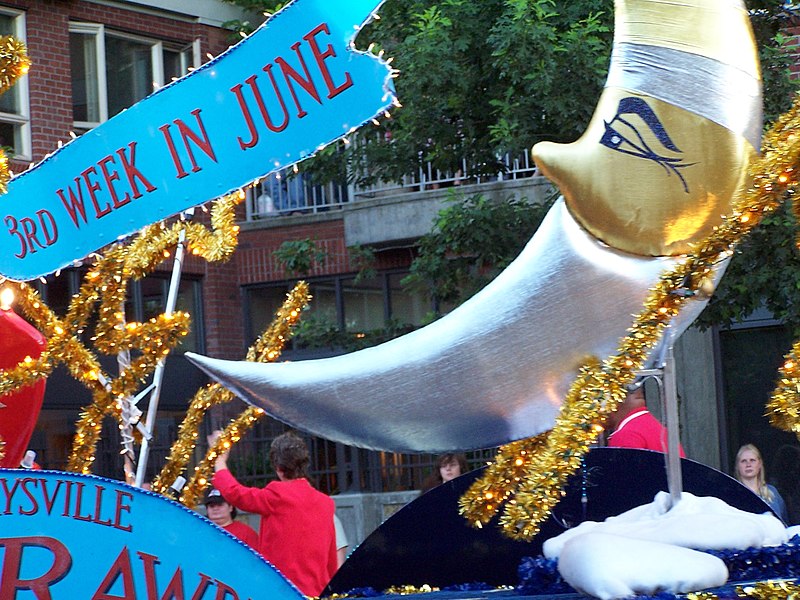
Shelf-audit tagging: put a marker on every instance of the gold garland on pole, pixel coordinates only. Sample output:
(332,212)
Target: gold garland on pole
(599,389)
(229,437)
(149,249)
(267,348)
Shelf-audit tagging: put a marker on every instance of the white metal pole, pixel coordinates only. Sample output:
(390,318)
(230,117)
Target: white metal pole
(158,374)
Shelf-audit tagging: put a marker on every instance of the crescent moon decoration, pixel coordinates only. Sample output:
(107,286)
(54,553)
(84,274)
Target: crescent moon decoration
(680,111)
(534,471)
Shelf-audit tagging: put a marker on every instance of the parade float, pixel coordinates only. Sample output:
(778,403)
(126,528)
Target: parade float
(657,192)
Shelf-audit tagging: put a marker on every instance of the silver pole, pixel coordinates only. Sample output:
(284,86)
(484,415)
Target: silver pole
(674,476)
(158,374)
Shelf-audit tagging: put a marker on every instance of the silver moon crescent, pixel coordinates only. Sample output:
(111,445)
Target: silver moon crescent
(497,368)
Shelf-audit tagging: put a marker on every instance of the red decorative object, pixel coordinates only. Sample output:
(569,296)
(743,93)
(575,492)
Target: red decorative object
(18,410)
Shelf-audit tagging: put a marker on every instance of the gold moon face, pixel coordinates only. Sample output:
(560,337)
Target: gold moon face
(669,145)
(648,177)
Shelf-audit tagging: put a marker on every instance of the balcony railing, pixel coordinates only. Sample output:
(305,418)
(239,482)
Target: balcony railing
(287,193)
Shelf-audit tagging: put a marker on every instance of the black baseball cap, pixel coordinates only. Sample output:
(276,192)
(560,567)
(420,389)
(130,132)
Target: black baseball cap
(214,497)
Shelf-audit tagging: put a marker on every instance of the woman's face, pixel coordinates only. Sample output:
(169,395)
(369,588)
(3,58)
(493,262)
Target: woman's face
(450,470)
(219,513)
(749,465)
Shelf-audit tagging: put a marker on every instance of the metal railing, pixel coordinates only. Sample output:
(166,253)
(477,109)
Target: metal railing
(287,192)
(516,166)
(334,469)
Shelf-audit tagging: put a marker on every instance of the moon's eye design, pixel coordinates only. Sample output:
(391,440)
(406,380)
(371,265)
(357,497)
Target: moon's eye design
(634,143)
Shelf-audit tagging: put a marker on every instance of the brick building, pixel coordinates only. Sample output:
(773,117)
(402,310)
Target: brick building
(92,58)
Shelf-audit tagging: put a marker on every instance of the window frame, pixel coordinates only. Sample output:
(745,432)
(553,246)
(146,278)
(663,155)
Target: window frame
(97,31)
(101,33)
(337,283)
(21,88)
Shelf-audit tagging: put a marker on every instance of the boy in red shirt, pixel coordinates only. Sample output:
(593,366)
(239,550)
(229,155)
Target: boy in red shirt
(221,513)
(634,427)
(296,533)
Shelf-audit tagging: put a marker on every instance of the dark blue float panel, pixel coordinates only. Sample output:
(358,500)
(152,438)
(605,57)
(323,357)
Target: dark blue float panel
(428,542)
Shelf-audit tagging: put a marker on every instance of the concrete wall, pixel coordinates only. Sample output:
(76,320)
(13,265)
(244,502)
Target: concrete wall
(697,397)
(407,216)
(361,514)
(207,12)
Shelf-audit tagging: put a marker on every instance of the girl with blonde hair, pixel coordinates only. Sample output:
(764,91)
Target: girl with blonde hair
(750,472)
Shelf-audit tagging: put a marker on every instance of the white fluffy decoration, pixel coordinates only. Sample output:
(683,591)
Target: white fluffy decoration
(649,547)
(610,566)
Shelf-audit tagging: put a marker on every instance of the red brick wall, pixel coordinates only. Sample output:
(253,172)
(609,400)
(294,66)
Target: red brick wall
(794,44)
(48,45)
(256,263)
(49,83)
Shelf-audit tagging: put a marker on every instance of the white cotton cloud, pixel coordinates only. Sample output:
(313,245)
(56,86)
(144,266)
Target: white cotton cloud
(652,548)
(609,566)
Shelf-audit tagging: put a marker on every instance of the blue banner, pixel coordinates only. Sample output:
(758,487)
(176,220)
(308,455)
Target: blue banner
(65,536)
(290,88)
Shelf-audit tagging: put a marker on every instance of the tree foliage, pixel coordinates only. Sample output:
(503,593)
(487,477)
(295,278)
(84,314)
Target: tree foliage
(472,240)
(478,78)
(765,268)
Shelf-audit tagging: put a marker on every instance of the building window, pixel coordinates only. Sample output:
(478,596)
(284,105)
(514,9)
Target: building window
(112,71)
(15,135)
(147,298)
(344,304)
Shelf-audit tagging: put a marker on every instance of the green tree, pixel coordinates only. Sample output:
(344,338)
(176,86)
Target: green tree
(298,257)
(472,240)
(477,79)
(765,268)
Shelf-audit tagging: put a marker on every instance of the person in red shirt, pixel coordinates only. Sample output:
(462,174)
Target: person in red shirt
(634,427)
(221,513)
(296,534)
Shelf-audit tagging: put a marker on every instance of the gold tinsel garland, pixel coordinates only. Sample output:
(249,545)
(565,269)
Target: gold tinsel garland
(770,590)
(14,63)
(106,282)
(266,349)
(502,479)
(599,389)
(230,436)
(783,408)
(156,338)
